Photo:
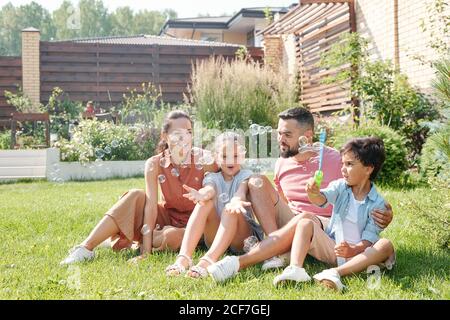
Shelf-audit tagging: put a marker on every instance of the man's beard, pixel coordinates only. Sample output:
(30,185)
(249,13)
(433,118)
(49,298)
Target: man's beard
(289,153)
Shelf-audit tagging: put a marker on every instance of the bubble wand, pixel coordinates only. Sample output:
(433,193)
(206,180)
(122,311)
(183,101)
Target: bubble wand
(318,176)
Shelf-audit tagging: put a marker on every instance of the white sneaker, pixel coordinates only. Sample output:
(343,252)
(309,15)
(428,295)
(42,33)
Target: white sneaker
(224,269)
(292,273)
(330,278)
(273,263)
(78,254)
(105,244)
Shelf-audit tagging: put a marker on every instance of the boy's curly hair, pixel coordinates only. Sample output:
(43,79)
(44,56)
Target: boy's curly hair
(370,151)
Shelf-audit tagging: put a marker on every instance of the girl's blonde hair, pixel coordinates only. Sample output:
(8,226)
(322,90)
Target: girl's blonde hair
(225,138)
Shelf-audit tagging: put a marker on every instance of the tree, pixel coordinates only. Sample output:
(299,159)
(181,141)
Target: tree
(13,20)
(122,21)
(151,22)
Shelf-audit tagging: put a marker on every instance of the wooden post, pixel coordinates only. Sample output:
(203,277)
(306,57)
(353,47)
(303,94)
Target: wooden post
(155,66)
(47,133)
(13,132)
(355,101)
(396,35)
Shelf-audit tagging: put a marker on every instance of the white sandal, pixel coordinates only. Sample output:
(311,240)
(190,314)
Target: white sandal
(177,269)
(201,271)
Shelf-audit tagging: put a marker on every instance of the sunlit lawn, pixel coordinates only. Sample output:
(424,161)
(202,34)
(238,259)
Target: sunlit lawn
(40,221)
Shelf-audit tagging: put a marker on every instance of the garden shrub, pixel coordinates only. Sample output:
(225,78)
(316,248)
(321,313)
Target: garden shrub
(435,158)
(62,112)
(104,140)
(5,140)
(394,169)
(234,94)
(385,94)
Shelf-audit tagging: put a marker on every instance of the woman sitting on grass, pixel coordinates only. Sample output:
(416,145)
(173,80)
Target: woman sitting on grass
(220,214)
(137,216)
(353,198)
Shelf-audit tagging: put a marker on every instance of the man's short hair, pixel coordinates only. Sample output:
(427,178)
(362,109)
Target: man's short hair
(303,116)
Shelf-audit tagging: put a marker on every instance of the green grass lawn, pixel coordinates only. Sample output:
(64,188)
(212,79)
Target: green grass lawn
(40,221)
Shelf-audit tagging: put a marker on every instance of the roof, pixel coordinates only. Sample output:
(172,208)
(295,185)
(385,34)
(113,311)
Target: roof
(149,40)
(221,19)
(222,22)
(304,15)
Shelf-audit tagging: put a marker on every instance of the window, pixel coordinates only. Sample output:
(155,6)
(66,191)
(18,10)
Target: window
(217,37)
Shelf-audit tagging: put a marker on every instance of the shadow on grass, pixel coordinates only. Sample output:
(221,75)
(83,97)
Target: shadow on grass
(415,263)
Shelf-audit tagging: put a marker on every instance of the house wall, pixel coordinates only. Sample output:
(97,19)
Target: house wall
(227,37)
(375,20)
(185,34)
(235,38)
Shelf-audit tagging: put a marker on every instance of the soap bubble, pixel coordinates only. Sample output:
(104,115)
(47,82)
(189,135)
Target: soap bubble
(99,153)
(254,129)
(161,178)
(164,162)
(114,144)
(175,172)
(257,182)
(223,197)
(107,150)
(302,141)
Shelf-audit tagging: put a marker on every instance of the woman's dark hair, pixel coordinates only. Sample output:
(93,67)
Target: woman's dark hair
(172,115)
(370,151)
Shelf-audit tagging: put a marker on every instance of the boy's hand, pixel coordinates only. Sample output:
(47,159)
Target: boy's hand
(236,206)
(196,196)
(311,188)
(345,250)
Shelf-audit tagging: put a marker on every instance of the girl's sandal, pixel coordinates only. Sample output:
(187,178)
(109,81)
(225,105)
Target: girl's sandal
(177,268)
(200,271)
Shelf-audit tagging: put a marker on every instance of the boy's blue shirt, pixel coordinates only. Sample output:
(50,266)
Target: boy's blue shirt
(338,193)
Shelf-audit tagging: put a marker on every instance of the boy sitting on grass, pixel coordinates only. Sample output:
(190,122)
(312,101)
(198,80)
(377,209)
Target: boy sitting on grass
(353,198)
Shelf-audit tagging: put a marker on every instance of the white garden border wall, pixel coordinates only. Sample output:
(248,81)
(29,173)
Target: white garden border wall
(45,163)
(58,171)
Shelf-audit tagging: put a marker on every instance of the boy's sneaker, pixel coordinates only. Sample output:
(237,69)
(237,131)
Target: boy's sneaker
(224,269)
(330,278)
(292,273)
(78,254)
(275,262)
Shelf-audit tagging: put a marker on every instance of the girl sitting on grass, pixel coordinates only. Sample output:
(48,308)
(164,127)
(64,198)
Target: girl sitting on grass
(353,198)
(220,214)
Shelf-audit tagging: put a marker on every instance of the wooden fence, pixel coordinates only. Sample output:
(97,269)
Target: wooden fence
(104,72)
(317,25)
(10,79)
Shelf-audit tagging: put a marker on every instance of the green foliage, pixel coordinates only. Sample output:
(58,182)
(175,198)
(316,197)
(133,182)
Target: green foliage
(88,18)
(385,94)
(436,25)
(5,140)
(441,84)
(104,140)
(62,112)
(268,15)
(143,107)
(435,158)
(394,169)
(22,102)
(14,19)
(229,94)
(49,219)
